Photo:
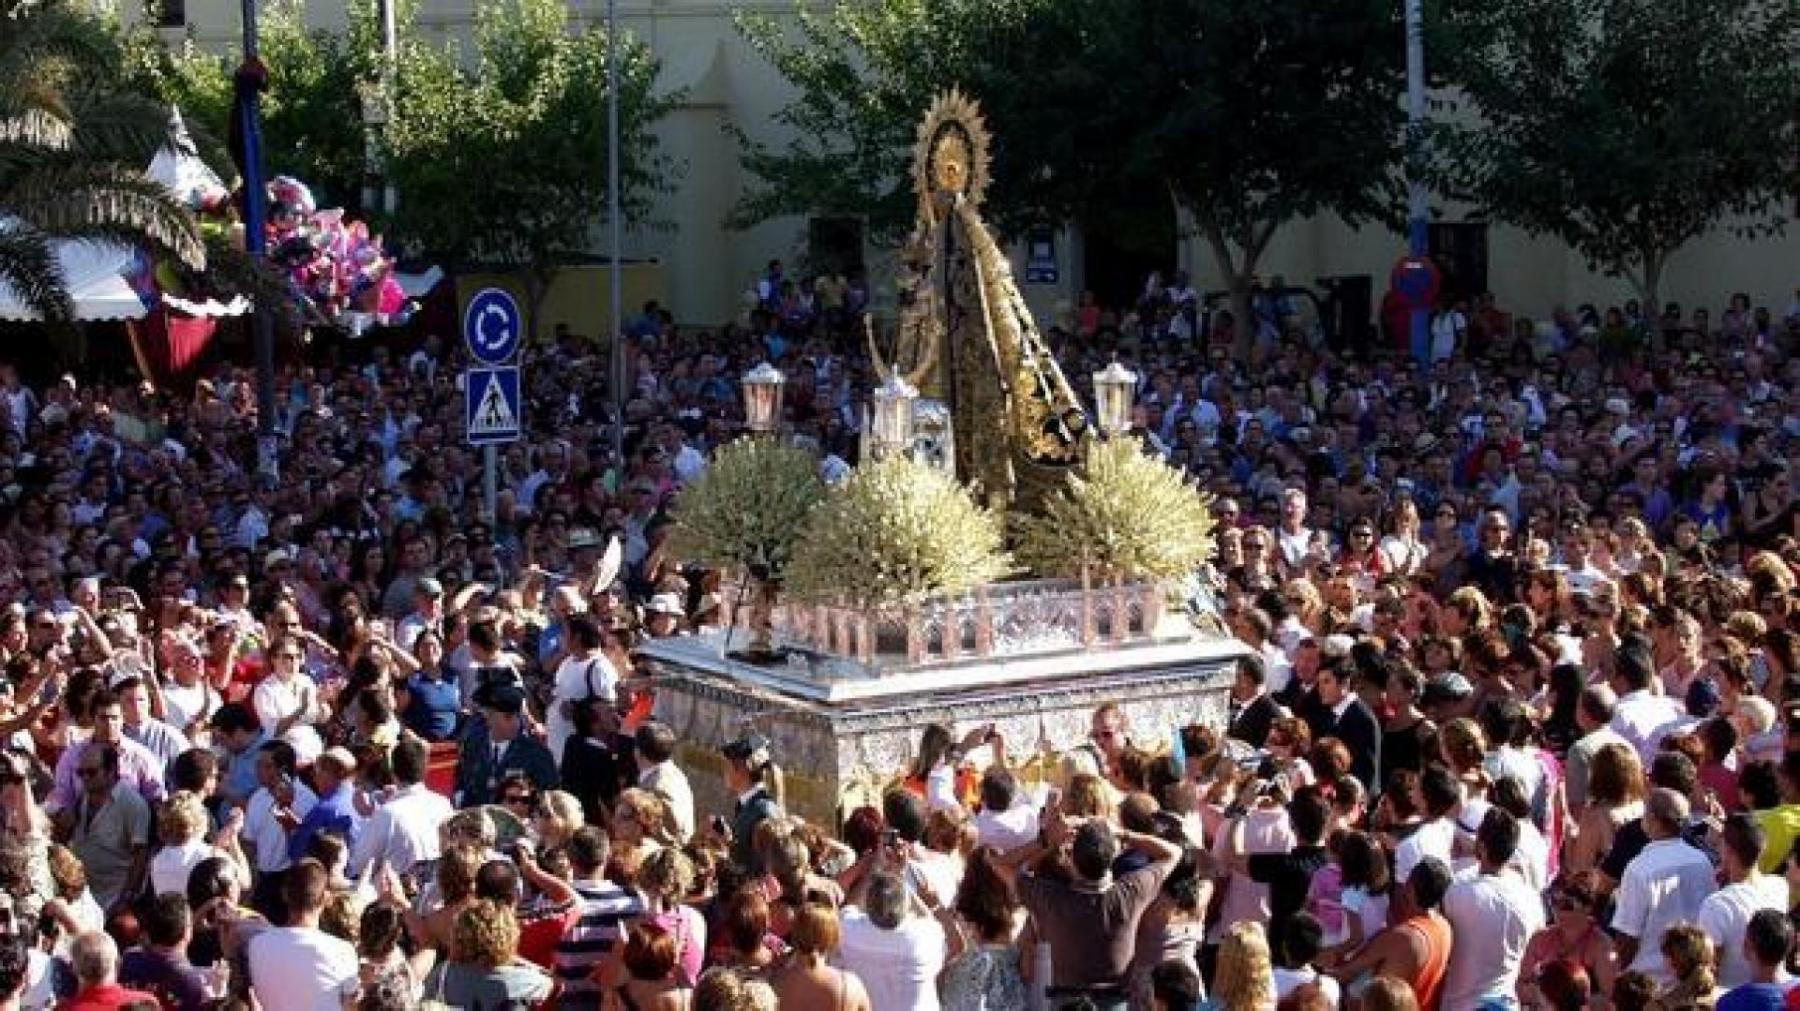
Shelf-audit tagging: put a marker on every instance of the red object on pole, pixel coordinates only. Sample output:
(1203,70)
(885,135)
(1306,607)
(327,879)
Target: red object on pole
(169,345)
(1417,281)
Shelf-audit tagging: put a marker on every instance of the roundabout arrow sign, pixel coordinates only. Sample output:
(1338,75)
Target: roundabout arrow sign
(492,326)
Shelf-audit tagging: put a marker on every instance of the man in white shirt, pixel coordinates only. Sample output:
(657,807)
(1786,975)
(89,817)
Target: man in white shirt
(277,807)
(658,773)
(427,613)
(1725,914)
(1640,717)
(1496,911)
(300,967)
(1663,886)
(896,953)
(1593,714)
(1441,798)
(1299,545)
(584,674)
(403,831)
(1003,822)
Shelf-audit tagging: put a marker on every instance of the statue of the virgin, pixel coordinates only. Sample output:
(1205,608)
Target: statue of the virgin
(965,336)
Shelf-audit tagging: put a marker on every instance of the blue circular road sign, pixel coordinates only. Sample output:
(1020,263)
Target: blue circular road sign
(492,326)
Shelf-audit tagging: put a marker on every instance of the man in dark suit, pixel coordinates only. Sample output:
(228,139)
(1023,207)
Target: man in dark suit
(1332,710)
(496,745)
(1252,710)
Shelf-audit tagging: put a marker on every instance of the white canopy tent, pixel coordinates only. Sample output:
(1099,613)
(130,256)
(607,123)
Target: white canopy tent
(94,273)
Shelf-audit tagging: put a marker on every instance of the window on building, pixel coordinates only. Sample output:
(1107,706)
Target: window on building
(834,244)
(171,13)
(1460,250)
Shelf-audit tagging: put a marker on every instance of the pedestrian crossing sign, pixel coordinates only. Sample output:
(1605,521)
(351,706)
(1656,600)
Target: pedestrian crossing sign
(492,398)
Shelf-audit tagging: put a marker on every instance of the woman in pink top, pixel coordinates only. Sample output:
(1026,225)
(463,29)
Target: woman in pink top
(665,878)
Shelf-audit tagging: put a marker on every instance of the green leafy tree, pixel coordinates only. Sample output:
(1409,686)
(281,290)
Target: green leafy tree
(504,165)
(864,72)
(1248,116)
(1625,128)
(72,150)
(312,110)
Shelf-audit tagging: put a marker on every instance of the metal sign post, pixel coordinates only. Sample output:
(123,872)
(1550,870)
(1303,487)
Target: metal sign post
(492,327)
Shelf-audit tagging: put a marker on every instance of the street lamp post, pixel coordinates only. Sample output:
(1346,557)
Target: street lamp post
(762,388)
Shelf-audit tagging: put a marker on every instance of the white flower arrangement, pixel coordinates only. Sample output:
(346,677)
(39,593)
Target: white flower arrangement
(896,531)
(748,506)
(1123,516)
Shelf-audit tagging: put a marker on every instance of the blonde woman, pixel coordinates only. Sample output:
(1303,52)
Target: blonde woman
(1634,545)
(1402,550)
(1466,612)
(1305,605)
(1689,956)
(182,827)
(73,905)
(1615,796)
(640,826)
(434,931)
(557,815)
(665,879)
(1244,979)
(485,969)
(1463,748)
(25,825)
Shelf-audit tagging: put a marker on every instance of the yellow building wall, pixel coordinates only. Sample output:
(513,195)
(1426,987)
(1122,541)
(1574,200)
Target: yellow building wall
(579,297)
(723,81)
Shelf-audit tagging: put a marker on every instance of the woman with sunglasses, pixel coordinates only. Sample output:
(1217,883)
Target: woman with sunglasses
(1574,935)
(287,701)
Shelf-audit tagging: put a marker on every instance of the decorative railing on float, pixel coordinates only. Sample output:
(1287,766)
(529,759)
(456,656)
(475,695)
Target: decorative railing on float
(996,621)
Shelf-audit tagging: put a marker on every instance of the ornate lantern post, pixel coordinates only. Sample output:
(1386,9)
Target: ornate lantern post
(762,415)
(891,421)
(762,398)
(1115,389)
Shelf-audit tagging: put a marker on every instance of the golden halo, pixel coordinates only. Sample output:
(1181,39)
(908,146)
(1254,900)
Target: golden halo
(951,153)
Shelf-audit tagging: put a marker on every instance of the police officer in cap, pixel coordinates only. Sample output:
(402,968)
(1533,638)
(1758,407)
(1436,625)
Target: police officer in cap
(754,781)
(496,745)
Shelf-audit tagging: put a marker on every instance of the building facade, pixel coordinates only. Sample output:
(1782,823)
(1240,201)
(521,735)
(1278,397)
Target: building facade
(709,266)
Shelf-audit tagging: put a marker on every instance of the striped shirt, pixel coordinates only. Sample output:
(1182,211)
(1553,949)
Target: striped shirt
(605,908)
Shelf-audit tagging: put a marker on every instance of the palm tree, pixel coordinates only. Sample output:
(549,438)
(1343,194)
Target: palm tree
(65,137)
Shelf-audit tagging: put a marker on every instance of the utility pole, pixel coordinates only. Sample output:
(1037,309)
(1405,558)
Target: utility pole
(256,243)
(615,315)
(390,72)
(1417,211)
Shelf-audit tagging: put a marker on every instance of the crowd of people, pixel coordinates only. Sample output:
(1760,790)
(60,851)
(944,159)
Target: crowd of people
(1518,723)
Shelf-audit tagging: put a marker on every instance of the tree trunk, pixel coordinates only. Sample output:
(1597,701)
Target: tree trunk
(1645,282)
(1236,282)
(1238,273)
(1243,313)
(1652,281)
(537,286)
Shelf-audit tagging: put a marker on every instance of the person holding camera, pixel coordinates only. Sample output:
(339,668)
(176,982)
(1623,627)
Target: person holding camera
(1090,921)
